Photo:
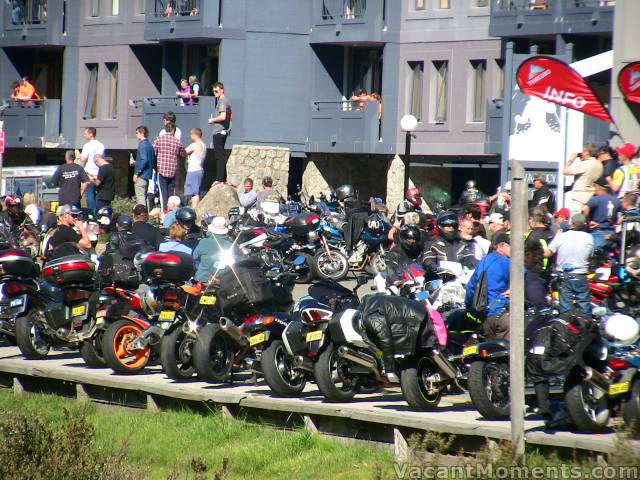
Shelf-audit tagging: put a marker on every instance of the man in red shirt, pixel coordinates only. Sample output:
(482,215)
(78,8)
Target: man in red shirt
(168,151)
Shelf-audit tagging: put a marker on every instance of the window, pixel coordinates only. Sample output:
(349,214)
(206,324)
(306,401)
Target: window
(417,76)
(91,103)
(94,8)
(112,79)
(478,89)
(500,69)
(445,4)
(482,3)
(141,7)
(420,4)
(115,7)
(440,99)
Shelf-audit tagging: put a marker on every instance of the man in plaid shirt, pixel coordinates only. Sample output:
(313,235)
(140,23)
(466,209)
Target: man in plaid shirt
(169,151)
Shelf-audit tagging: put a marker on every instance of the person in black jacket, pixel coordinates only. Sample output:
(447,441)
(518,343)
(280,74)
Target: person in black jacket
(539,237)
(543,197)
(448,245)
(142,229)
(121,236)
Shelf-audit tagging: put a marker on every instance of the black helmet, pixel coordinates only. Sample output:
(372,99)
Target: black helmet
(186,216)
(124,222)
(402,210)
(409,237)
(344,192)
(448,219)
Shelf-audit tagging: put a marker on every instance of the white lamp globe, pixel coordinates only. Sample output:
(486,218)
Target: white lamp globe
(408,123)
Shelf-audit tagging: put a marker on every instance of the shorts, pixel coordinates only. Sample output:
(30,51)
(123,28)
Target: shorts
(192,182)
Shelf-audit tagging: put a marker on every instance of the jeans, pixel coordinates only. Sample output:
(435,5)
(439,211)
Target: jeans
(167,188)
(140,188)
(575,286)
(221,161)
(91,193)
(599,240)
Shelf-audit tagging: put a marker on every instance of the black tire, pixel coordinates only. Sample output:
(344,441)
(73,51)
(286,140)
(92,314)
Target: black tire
(376,264)
(115,349)
(323,371)
(335,269)
(213,354)
(176,354)
(277,368)
(91,351)
(306,272)
(587,407)
(32,342)
(414,387)
(491,399)
(631,408)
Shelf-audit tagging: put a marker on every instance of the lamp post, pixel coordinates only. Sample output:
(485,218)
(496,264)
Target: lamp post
(408,124)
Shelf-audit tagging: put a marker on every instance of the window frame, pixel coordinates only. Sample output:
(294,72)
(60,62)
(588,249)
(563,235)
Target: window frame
(440,90)
(91,101)
(416,95)
(475,88)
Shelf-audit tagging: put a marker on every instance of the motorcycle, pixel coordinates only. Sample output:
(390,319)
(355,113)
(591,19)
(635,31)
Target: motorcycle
(370,251)
(330,261)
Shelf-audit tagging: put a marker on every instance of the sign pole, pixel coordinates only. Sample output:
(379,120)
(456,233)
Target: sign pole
(2,137)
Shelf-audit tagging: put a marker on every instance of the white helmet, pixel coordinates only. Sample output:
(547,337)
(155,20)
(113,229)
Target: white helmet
(620,330)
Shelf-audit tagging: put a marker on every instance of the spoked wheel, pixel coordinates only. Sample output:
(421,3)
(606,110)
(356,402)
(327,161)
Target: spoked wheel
(422,384)
(588,407)
(279,372)
(333,378)
(30,336)
(176,354)
(331,265)
(377,264)
(91,351)
(213,354)
(489,388)
(117,348)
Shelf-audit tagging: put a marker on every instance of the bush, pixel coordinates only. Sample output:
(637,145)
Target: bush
(123,206)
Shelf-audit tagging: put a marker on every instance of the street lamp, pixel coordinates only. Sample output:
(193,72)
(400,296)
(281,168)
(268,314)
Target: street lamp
(408,124)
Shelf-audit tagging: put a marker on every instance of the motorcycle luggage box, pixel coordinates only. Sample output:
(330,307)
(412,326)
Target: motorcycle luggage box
(301,224)
(70,270)
(172,267)
(17,263)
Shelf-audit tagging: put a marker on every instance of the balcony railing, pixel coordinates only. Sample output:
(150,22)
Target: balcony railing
(26,12)
(172,8)
(33,124)
(515,5)
(343,9)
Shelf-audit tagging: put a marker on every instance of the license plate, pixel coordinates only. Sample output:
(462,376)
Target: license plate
(167,315)
(16,302)
(314,336)
(100,317)
(618,388)
(472,350)
(79,310)
(256,339)
(207,300)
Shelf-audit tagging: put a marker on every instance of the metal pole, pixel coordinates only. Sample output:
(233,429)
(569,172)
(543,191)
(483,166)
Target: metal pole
(407,153)
(516,307)
(1,153)
(509,83)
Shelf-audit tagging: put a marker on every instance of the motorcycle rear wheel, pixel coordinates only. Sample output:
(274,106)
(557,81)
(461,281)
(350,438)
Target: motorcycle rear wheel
(176,354)
(30,337)
(327,373)
(279,373)
(213,354)
(116,349)
(485,378)
(91,351)
(334,268)
(413,382)
(587,407)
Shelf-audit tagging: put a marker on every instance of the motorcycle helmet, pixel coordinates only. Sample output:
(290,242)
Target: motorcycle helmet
(186,217)
(470,185)
(14,208)
(448,219)
(124,222)
(620,330)
(104,216)
(206,219)
(375,222)
(409,238)
(345,192)
(414,197)
(402,210)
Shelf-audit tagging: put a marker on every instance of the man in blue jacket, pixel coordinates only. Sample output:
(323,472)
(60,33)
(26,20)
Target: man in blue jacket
(496,264)
(144,165)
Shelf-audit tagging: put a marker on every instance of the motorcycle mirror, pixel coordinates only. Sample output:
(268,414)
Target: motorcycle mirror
(299,260)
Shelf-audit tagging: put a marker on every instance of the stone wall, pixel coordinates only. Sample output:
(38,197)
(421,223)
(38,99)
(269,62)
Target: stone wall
(257,162)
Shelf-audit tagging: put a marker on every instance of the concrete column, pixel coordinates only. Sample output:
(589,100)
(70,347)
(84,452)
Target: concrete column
(313,180)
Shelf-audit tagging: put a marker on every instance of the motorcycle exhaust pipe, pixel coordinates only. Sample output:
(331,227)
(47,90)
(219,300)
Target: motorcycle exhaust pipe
(303,363)
(598,379)
(444,365)
(7,327)
(233,331)
(360,359)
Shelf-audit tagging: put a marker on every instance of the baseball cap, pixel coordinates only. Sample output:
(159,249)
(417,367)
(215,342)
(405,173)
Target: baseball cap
(628,150)
(578,219)
(496,218)
(563,212)
(501,238)
(140,209)
(507,186)
(72,209)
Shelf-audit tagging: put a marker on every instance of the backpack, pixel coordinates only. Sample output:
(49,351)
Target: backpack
(480,302)
(116,270)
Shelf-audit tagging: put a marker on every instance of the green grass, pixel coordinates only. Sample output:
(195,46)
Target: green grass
(167,441)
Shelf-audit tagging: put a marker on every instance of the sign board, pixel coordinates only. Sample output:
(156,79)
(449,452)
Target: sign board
(1,142)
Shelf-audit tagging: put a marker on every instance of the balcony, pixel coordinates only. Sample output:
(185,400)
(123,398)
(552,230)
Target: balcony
(188,117)
(32,125)
(343,127)
(193,19)
(349,21)
(31,22)
(515,18)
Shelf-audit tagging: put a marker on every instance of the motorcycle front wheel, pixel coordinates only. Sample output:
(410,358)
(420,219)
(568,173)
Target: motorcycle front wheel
(279,373)
(588,407)
(418,386)
(331,265)
(213,354)
(489,388)
(117,350)
(176,354)
(30,337)
(332,378)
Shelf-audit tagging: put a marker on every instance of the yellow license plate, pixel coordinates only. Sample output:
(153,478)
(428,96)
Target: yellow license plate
(256,339)
(472,350)
(167,315)
(79,310)
(313,336)
(618,388)
(207,300)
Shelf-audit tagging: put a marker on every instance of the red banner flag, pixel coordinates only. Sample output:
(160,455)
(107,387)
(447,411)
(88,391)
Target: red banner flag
(629,82)
(556,82)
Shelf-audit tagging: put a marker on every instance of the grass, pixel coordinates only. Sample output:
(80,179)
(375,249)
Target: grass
(169,444)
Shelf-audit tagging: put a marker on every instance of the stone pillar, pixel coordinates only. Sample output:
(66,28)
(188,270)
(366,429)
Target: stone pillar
(257,162)
(313,180)
(395,183)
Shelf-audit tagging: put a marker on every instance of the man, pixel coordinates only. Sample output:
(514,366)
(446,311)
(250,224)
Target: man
(586,173)
(573,250)
(105,182)
(197,152)
(602,212)
(173,204)
(496,266)
(543,196)
(169,151)
(71,179)
(144,164)
(495,223)
(561,221)
(26,92)
(609,165)
(625,177)
(121,236)
(221,123)
(87,159)
(169,118)
(448,246)
(248,196)
(65,233)
(501,200)
(267,191)
(540,236)
(142,229)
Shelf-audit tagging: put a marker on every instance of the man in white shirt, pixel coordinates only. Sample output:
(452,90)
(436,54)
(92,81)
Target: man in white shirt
(87,159)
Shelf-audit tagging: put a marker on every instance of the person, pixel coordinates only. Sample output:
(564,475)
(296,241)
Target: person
(408,248)
(266,192)
(65,233)
(465,231)
(197,151)
(177,235)
(248,197)
(142,229)
(15,88)
(542,196)
(602,212)
(184,93)
(586,173)
(209,248)
(495,223)
(105,182)
(496,266)
(573,250)
(169,151)
(501,200)
(561,221)
(143,165)
(482,244)
(87,160)
(448,245)
(186,217)
(26,92)
(412,202)
(121,236)
(194,89)
(625,177)
(173,204)
(71,179)
(470,194)
(361,97)
(609,165)
(169,118)
(221,123)
(539,237)
(31,207)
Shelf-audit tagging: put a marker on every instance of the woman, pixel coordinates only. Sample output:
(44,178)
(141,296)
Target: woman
(177,236)
(31,207)
(184,94)
(209,249)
